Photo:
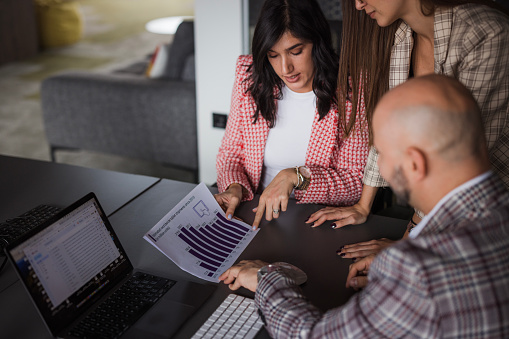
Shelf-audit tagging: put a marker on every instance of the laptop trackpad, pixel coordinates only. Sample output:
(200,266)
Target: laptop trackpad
(161,321)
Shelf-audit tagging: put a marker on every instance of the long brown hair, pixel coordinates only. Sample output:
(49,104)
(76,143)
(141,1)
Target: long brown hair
(365,57)
(306,21)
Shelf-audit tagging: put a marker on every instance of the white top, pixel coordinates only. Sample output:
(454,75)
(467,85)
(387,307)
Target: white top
(415,232)
(288,140)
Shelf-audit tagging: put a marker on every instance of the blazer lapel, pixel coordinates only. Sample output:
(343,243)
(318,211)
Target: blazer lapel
(400,58)
(442,34)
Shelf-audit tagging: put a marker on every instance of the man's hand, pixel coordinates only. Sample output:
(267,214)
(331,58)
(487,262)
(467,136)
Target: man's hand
(357,276)
(230,199)
(363,249)
(274,198)
(243,274)
(343,216)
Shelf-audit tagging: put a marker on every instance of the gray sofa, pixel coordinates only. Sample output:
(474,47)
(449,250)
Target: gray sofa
(127,114)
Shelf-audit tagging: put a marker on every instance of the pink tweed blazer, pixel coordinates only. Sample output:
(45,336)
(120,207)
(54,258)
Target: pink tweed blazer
(336,163)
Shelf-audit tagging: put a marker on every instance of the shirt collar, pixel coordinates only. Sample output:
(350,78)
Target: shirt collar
(402,33)
(415,232)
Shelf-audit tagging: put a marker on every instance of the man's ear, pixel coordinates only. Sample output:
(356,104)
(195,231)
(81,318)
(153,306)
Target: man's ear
(417,164)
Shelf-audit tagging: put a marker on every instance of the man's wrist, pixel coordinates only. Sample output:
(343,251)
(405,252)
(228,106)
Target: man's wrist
(291,271)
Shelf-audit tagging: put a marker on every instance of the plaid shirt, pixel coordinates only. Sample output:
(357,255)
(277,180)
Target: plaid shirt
(452,281)
(472,45)
(336,164)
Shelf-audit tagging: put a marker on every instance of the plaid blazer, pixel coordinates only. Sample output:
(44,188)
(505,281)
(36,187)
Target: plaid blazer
(336,164)
(471,44)
(452,281)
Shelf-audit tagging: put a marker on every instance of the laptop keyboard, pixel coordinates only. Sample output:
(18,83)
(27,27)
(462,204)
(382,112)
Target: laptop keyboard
(123,308)
(236,317)
(13,228)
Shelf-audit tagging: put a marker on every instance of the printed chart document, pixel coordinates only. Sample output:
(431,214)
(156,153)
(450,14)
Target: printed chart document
(197,236)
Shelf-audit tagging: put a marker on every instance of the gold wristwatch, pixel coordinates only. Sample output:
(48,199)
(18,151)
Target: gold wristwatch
(303,177)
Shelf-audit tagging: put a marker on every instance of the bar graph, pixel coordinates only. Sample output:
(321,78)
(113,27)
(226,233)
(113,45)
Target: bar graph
(213,243)
(198,237)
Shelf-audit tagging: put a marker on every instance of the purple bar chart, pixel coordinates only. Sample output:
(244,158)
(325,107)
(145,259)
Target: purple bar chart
(197,236)
(213,244)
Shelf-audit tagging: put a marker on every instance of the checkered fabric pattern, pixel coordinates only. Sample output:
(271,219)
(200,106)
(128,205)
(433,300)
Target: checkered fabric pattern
(336,164)
(452,281)
(471,45)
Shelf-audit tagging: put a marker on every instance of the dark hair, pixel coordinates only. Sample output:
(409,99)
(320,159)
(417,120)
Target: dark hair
(305,21)
(365,56)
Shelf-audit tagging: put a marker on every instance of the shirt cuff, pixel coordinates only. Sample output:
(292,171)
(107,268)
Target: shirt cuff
(270,282)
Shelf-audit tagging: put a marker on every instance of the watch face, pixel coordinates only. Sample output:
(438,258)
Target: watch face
(298,275)
(305,171)
(293,272)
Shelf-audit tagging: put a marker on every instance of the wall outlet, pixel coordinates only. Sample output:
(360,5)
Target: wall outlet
(219,120)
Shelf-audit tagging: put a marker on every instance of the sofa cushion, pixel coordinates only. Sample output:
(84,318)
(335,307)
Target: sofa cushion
(181,48)
(188,74)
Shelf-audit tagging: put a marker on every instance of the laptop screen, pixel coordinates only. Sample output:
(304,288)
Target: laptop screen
(69,263)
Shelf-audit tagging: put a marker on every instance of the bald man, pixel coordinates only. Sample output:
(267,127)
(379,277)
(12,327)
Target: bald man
(451,278)
(441,135)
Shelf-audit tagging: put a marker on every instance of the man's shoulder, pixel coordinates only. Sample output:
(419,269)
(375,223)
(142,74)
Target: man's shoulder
(471,221)
(430,258)
(468,204)
(460,238)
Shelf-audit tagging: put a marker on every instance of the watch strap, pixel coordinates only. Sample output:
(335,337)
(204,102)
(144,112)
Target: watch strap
(303,182)
(291,271)
(300,178)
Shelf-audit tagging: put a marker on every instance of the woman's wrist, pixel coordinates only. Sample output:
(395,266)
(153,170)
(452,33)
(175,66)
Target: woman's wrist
(236,189)
(290,176)
(303,178)
(234,186)
(367,197)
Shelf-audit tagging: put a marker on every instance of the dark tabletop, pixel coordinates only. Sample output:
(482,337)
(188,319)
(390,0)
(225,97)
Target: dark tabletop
(285,239)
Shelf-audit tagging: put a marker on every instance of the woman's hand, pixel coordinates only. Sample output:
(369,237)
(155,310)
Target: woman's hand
(275,196)
(352,215)
(364,249)
(230,199)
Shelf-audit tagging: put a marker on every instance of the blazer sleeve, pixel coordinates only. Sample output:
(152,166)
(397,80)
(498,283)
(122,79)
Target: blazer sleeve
(340,183)
(484,70)
(372,176)
(231,161)
(395,304)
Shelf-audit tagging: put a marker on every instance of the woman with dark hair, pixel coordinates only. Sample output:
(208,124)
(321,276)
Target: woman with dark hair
(283,137)
(390,41)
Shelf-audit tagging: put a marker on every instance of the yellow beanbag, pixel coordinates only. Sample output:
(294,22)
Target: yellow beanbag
(60,22)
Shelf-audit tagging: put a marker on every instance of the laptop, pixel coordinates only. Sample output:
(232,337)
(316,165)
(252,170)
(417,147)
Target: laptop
(74,261)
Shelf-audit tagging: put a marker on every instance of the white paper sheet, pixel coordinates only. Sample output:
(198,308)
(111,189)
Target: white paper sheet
(197,236)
